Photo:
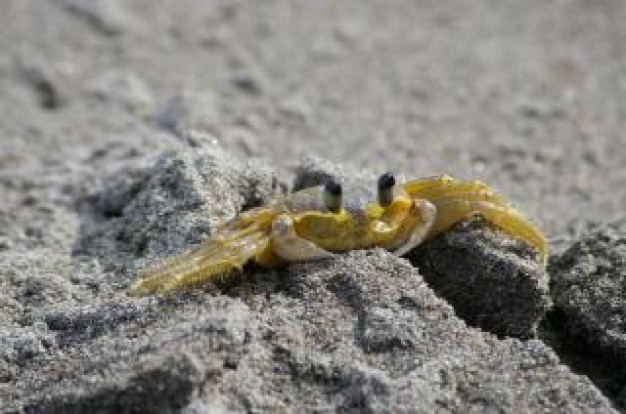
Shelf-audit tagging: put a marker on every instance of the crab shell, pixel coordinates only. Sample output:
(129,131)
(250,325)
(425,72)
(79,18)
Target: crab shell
(300,227)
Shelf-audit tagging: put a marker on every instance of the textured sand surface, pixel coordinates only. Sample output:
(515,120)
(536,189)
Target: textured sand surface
(130,129)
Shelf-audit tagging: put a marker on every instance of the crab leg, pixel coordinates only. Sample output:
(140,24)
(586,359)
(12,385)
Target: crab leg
(456,200)
(228,250)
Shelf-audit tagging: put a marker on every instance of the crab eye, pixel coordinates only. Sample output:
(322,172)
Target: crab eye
(332,196)
(386,182)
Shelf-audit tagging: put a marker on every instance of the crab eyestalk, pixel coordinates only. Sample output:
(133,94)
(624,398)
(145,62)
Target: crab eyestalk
(386,184)
(333,196)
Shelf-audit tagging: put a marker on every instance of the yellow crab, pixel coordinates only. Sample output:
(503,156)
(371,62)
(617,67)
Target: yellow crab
(317,222)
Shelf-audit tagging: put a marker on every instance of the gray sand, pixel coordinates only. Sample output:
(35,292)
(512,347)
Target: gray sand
(130,130)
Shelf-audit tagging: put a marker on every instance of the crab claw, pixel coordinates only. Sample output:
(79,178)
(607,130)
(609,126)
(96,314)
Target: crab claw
(456,200)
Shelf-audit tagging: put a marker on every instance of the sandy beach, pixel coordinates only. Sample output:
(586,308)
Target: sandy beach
(132,129)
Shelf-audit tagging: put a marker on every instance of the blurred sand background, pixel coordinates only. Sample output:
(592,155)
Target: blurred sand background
(527,96)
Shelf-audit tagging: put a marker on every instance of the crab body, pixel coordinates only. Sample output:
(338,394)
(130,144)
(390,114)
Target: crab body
(317,222)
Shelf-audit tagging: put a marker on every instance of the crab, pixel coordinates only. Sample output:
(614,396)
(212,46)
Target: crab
(320,222)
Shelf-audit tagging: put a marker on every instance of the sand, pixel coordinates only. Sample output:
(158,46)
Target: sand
(131,129)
